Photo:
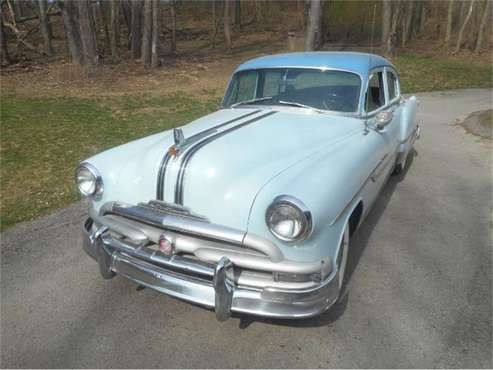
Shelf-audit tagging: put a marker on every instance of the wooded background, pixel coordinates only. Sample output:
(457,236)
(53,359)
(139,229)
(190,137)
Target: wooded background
(95,32)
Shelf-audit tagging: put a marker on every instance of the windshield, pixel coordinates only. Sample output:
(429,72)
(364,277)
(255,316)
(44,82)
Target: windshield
(307,88)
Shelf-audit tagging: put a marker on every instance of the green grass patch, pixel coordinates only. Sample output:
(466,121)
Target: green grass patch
(420,73)
(43,140)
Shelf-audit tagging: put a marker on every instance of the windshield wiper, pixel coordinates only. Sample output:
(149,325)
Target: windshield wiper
(295,104)
(251,101)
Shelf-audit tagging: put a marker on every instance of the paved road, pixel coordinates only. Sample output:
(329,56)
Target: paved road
(420,288)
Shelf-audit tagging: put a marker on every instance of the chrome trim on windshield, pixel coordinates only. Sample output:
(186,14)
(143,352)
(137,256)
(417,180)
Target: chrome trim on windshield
(190,153)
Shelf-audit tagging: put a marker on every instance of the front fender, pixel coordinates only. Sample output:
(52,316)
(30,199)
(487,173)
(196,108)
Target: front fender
(330,184)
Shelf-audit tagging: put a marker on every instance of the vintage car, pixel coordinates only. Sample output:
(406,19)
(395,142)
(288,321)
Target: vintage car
(251,209)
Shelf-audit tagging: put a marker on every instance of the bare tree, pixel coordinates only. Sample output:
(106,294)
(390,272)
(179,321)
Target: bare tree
(45,29)
(313,30)
(87,35)
(71,26)
(386,23)
(155,34)
(407,21)
(4,51)
(396,13)
(136,28)
(147,33)
(422,17)
(227,23)
(173,26)
(238,14)
(484,18)
(114,27)
(450,18)
(463,26)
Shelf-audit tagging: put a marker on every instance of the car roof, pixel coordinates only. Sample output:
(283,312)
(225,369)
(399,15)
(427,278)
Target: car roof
(360,63)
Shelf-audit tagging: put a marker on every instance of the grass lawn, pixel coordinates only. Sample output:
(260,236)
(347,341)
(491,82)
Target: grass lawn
(43,139)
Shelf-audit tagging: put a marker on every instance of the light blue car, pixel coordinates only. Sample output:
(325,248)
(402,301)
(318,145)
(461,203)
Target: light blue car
(251,209)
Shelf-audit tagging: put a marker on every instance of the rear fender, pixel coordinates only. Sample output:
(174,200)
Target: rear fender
(408,123)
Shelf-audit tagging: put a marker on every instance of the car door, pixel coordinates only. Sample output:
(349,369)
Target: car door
(382,140)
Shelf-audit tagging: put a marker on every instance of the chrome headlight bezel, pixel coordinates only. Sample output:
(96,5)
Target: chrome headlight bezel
(304,216)
(97,191)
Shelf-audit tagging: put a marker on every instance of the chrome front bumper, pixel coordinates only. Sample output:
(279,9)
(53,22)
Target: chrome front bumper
(211,285)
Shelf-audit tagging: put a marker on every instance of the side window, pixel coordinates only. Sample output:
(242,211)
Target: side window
(375,96)
(392,85)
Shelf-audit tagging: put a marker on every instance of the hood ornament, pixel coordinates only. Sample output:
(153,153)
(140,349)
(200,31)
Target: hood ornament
(178,135)
(179,139)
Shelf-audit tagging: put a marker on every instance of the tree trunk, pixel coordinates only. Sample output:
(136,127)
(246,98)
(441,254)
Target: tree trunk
(238,14)
(45,29)
(127,15)
(155,34)
(484,18)
(422,17)
(227,24)
(406,30)
(313,31)
(4,51)
(87,35)
(300,13)
(450,18)
(114,28)
(18,9)
(71,30)
(147,33)
(258,14)
(173,26)
(213,16)
(463,27)
(393,28)
(136,29)
(104,12)
(386,19)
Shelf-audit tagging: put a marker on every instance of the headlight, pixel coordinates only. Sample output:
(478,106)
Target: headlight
(288,219)
(89,181)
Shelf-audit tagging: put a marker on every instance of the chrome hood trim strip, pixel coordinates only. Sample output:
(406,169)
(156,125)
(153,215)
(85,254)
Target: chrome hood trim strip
(193,150)
(188,142)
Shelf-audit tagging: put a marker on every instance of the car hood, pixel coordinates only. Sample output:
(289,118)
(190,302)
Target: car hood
(223,177)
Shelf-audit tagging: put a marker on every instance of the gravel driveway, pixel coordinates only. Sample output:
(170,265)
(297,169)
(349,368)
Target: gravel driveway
(420,288)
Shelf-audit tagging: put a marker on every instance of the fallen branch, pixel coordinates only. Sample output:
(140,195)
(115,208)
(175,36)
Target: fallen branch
(20,38)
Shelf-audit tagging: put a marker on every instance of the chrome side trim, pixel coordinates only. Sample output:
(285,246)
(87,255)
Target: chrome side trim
(193,150)
(184,144)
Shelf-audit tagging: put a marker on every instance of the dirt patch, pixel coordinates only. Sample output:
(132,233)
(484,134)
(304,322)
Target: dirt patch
(479,123)
(197,70)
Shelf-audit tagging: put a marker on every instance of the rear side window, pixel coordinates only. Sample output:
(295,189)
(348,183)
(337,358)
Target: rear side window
(375,96)
(392,85)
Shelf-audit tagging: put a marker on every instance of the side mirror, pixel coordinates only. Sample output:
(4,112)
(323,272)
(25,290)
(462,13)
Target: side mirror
(382,119)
